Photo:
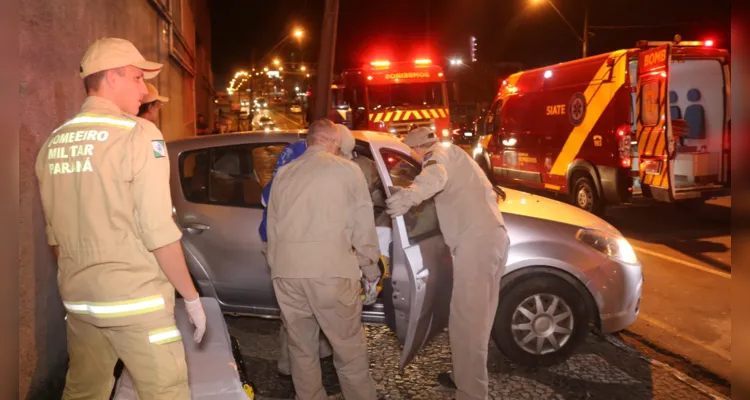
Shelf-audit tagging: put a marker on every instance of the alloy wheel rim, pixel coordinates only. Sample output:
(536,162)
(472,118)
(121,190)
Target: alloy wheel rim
(542,324)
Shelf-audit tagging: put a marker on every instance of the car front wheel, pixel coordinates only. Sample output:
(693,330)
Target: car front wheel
(540,320)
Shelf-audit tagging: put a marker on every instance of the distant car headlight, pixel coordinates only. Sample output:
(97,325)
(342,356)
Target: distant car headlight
(477,150)
(612,246)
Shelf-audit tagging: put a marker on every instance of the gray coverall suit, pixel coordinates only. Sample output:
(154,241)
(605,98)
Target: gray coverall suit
(474,230)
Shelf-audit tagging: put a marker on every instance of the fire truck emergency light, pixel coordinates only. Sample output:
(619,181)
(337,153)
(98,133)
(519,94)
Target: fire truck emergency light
(423,61)
(380,63)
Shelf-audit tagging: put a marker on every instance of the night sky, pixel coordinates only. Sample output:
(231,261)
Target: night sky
(506,30)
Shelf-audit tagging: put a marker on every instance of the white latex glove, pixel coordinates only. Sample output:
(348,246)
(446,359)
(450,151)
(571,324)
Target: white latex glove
(371,290)
(402,201)
(197,318)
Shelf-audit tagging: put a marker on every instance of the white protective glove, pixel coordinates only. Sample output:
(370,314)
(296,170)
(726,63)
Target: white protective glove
(370,277)
(402,201)
(197,317)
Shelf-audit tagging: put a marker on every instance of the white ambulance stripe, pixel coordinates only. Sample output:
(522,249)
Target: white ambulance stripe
(85,119)
(114,309)
(161,336)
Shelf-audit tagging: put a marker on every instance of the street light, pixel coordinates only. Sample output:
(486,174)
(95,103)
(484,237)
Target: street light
(302,68)
(276,61)
(298,33)
(585,39)
(265,69)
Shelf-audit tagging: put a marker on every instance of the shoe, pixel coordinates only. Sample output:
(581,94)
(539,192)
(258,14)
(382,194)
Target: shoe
(445,379)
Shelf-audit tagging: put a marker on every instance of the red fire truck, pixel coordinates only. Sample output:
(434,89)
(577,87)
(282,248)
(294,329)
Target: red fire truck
(391,97)
(651,121)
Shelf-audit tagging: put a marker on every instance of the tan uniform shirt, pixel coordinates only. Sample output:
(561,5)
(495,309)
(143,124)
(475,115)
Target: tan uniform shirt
(465,201)
(104,183)
(319,210)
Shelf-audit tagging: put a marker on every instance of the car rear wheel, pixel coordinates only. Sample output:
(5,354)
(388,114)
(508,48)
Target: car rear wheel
(540,320)
(584,195)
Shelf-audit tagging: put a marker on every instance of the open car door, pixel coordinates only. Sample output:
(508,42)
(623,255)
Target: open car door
(656,144)
(421,263)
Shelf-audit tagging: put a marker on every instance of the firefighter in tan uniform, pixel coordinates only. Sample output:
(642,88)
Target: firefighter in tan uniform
(321,238)
(474,230)
(104,183)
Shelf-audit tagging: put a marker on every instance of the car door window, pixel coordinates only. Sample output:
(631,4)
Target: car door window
(228,175)
(421,221)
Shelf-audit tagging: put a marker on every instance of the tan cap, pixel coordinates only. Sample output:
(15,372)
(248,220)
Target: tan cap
(153,95)
(420,136)
(347,142)
(110,53)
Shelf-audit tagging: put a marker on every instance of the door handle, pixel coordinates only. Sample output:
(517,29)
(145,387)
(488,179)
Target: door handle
(196,228)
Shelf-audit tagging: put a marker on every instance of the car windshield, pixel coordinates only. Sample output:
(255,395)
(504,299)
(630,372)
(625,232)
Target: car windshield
(406,95)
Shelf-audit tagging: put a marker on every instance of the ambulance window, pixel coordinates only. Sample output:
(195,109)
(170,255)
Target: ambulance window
(650,103)
(421,221)
(494,117)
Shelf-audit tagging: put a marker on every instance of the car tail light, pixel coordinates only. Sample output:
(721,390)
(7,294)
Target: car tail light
(624,145)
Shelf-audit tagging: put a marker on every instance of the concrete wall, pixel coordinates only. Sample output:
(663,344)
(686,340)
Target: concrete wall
(53,38)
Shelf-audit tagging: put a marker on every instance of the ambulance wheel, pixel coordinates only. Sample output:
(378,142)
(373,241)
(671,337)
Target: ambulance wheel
(540,320)
(584,195)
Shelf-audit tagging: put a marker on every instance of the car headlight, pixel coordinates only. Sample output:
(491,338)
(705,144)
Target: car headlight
(610,245)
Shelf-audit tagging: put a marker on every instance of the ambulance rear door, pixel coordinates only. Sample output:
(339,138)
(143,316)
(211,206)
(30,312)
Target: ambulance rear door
(656,144)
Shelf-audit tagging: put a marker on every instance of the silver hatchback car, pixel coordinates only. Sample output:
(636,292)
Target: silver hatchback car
(568,271)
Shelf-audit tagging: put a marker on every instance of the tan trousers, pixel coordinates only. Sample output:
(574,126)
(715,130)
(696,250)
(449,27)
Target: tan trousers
(284,366)
(478,265)
(159,370)
(334,306)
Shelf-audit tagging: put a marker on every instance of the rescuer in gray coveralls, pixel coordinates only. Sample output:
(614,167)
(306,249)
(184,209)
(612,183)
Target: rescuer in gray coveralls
(474,230)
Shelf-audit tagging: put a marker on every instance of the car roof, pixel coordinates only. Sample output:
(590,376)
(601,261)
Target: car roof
(379,139)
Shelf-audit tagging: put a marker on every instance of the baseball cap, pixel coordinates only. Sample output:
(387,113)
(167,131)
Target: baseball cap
(110,53)
(153,95)
(420,136)
(347,141)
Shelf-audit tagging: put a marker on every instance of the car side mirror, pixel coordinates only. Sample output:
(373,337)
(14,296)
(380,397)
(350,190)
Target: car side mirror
(500,192)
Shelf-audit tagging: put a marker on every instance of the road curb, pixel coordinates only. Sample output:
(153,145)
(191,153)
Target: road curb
(711,393)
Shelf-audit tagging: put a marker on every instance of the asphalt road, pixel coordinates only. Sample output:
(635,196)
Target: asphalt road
(685,317)
(282,119)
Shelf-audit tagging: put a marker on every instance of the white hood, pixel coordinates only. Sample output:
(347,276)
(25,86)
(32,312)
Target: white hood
(522,203)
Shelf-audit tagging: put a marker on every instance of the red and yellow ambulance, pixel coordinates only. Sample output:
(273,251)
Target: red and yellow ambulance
(392,96)
(651,121)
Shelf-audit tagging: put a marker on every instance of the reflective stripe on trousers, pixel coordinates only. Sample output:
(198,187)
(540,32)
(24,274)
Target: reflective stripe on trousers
(165,335)
(118,308)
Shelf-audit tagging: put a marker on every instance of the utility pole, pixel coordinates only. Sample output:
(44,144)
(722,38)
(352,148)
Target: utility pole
(326,59)
(585,28)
